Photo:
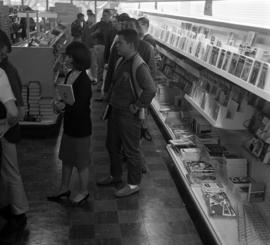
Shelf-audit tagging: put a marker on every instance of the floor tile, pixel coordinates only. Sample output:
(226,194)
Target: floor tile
(107,231)
(130,216)
(108,217)
(128,203)
(82,232)
(105,205)
(133,230)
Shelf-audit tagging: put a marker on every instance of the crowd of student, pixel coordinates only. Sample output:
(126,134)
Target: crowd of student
(123,47)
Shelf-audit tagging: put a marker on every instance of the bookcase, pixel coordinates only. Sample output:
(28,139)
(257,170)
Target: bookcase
(214,92)
(38,60)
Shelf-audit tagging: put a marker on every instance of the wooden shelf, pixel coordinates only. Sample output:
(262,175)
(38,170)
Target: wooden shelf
(224,230)
(247,86)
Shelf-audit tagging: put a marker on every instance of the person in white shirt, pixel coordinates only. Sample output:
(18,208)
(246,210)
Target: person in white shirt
(14,203)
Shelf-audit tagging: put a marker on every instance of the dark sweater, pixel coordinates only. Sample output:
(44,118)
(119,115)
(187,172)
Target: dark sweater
(77,117)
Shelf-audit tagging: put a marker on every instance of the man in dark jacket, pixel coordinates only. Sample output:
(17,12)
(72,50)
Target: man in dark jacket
(124,125)
(144,24)
(77,27)
(100,32)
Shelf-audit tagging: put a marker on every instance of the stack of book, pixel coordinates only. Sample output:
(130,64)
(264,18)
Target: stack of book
(46,108)
(34,92)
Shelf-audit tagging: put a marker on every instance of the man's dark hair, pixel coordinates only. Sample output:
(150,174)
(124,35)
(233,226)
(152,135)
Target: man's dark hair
(144,21)
(79,15)
(132,23)
(107,11)
(80,55)
(89,12)
(4,41)
(130,36)
(122,17)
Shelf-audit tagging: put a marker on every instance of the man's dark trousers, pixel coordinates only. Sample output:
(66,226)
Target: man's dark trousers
(123,133)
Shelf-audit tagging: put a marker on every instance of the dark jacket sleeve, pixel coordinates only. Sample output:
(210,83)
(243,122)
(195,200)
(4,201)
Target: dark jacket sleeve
(147,85)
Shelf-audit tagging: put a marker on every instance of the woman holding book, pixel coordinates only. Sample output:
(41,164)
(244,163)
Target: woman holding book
(75,144)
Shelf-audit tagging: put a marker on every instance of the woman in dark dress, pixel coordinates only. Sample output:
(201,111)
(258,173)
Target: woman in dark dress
(75,144)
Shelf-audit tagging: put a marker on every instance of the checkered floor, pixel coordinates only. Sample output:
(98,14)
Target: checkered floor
(154,216)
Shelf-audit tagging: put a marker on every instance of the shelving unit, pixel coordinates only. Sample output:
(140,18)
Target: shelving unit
(237,81)
(39,64)
(222,230)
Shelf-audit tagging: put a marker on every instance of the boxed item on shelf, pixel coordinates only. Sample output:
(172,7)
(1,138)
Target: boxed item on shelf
(247,69)
(264,78)
(255,72)
(227,61)
(200,125)
(191,154)
(256,192)
(221,58)
(234,166)
(216,150)
(234,183)
(233,63)
(214,56)
(240,66)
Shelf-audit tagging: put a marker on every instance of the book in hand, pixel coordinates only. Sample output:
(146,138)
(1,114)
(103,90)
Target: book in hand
(66,93)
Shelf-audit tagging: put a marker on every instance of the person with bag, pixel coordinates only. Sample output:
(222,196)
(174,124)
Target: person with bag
(124,124)
(75,143)
(14,201)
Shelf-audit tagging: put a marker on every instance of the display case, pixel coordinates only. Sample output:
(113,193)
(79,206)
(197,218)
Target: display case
(213,104)
(38,60)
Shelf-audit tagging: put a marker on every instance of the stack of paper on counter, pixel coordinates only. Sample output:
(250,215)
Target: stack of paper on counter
(196,179)
(200,167)
(217,201)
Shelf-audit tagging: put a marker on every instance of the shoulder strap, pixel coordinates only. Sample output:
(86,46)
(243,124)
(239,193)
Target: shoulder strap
(137,61)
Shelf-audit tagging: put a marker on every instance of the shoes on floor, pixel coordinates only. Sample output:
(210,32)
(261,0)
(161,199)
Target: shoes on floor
(109,180)
(15,225)
(59,197)
(127,191)
(80,199)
